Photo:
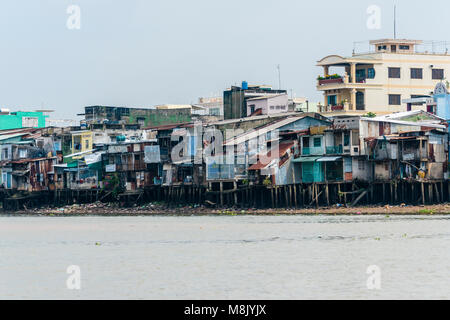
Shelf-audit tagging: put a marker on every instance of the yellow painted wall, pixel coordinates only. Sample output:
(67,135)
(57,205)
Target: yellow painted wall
(86,139)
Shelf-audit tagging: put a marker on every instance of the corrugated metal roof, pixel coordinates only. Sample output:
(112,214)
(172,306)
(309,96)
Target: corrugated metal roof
(306,159)
(328,159)
(406,123)
(283,148)
(267,97)
(252,134)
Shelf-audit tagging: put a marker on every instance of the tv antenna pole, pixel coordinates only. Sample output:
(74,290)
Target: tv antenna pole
(395,21)
(279,77)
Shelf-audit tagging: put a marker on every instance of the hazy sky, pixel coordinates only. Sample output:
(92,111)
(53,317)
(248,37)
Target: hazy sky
(147,52)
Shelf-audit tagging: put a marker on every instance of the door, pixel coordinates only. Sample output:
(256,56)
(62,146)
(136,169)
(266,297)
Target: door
(360,100)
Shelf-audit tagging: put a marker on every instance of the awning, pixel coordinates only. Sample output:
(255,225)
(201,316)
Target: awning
(305,159)
(79,153)
(328,159)
(258,166)
(19,173)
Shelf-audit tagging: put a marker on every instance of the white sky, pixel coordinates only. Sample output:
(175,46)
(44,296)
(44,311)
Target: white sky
(144,52)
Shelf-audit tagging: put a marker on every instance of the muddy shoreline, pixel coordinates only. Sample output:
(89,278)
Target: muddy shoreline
(161,209)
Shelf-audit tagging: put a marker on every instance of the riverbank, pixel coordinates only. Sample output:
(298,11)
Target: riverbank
(156,208)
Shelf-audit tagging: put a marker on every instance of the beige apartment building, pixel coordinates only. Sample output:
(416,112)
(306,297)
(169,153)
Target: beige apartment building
(383,79)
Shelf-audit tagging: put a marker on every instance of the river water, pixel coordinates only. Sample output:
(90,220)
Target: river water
(225,257)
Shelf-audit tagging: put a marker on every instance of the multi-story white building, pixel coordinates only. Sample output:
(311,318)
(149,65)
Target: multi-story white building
(384,79)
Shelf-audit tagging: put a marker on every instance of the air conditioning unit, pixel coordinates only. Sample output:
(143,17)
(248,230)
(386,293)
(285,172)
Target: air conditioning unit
(355,151)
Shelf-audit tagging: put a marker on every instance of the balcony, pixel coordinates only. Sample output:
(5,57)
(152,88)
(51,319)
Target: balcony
(312,151)
(337,108)
(335,150)
(138,166)
(330,79)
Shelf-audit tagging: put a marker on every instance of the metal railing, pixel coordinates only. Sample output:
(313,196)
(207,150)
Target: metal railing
(335,150)
(310,151)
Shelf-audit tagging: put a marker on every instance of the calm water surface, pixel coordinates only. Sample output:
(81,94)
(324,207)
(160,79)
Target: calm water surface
(239,257)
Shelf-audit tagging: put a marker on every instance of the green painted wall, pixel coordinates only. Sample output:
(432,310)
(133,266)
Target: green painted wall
(14,119)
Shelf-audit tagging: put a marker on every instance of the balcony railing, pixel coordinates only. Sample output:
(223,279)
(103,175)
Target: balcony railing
(330,81)
(311,151)
(337,108)
(335,150)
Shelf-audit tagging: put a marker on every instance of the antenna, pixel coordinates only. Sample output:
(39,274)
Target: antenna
(279,77)
(395,21)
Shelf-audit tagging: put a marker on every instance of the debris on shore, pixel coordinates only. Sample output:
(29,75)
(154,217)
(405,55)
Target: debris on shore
(161,208)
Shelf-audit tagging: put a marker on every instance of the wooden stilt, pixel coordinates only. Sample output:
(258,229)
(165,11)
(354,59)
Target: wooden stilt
(221,193)
(235,194)
(317,196)
(438,198)
(272,197)
(430,193)
(339,192)
(286,196)
(392,192)
(422,187)
(295,196)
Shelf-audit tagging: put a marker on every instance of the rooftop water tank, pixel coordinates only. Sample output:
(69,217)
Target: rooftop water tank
(244,85)
(120,138)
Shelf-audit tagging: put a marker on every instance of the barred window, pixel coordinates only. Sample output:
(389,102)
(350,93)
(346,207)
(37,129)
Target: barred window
(438,74)
(317,142)
(416,73)
(394,73)
(395,99)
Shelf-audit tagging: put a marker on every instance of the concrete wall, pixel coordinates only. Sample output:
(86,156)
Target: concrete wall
(20,119)
(377,90)
(272,105)
(362,169)
(382,171)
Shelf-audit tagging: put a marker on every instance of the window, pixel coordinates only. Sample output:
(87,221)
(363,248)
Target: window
(438,74)
(393,48)
(317,142)
(361,165)
(272,107)
(141,121)
(87,144)
(355,138)
(77,142)
(305,142)
(370,73)
(332,100)
(395,99)
(394,73)
(382,48)
(416,73)
(403,47)
(360,75)
(22,153)
(346,139)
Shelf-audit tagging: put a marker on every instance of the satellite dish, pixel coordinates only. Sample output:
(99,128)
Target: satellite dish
(440,88)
